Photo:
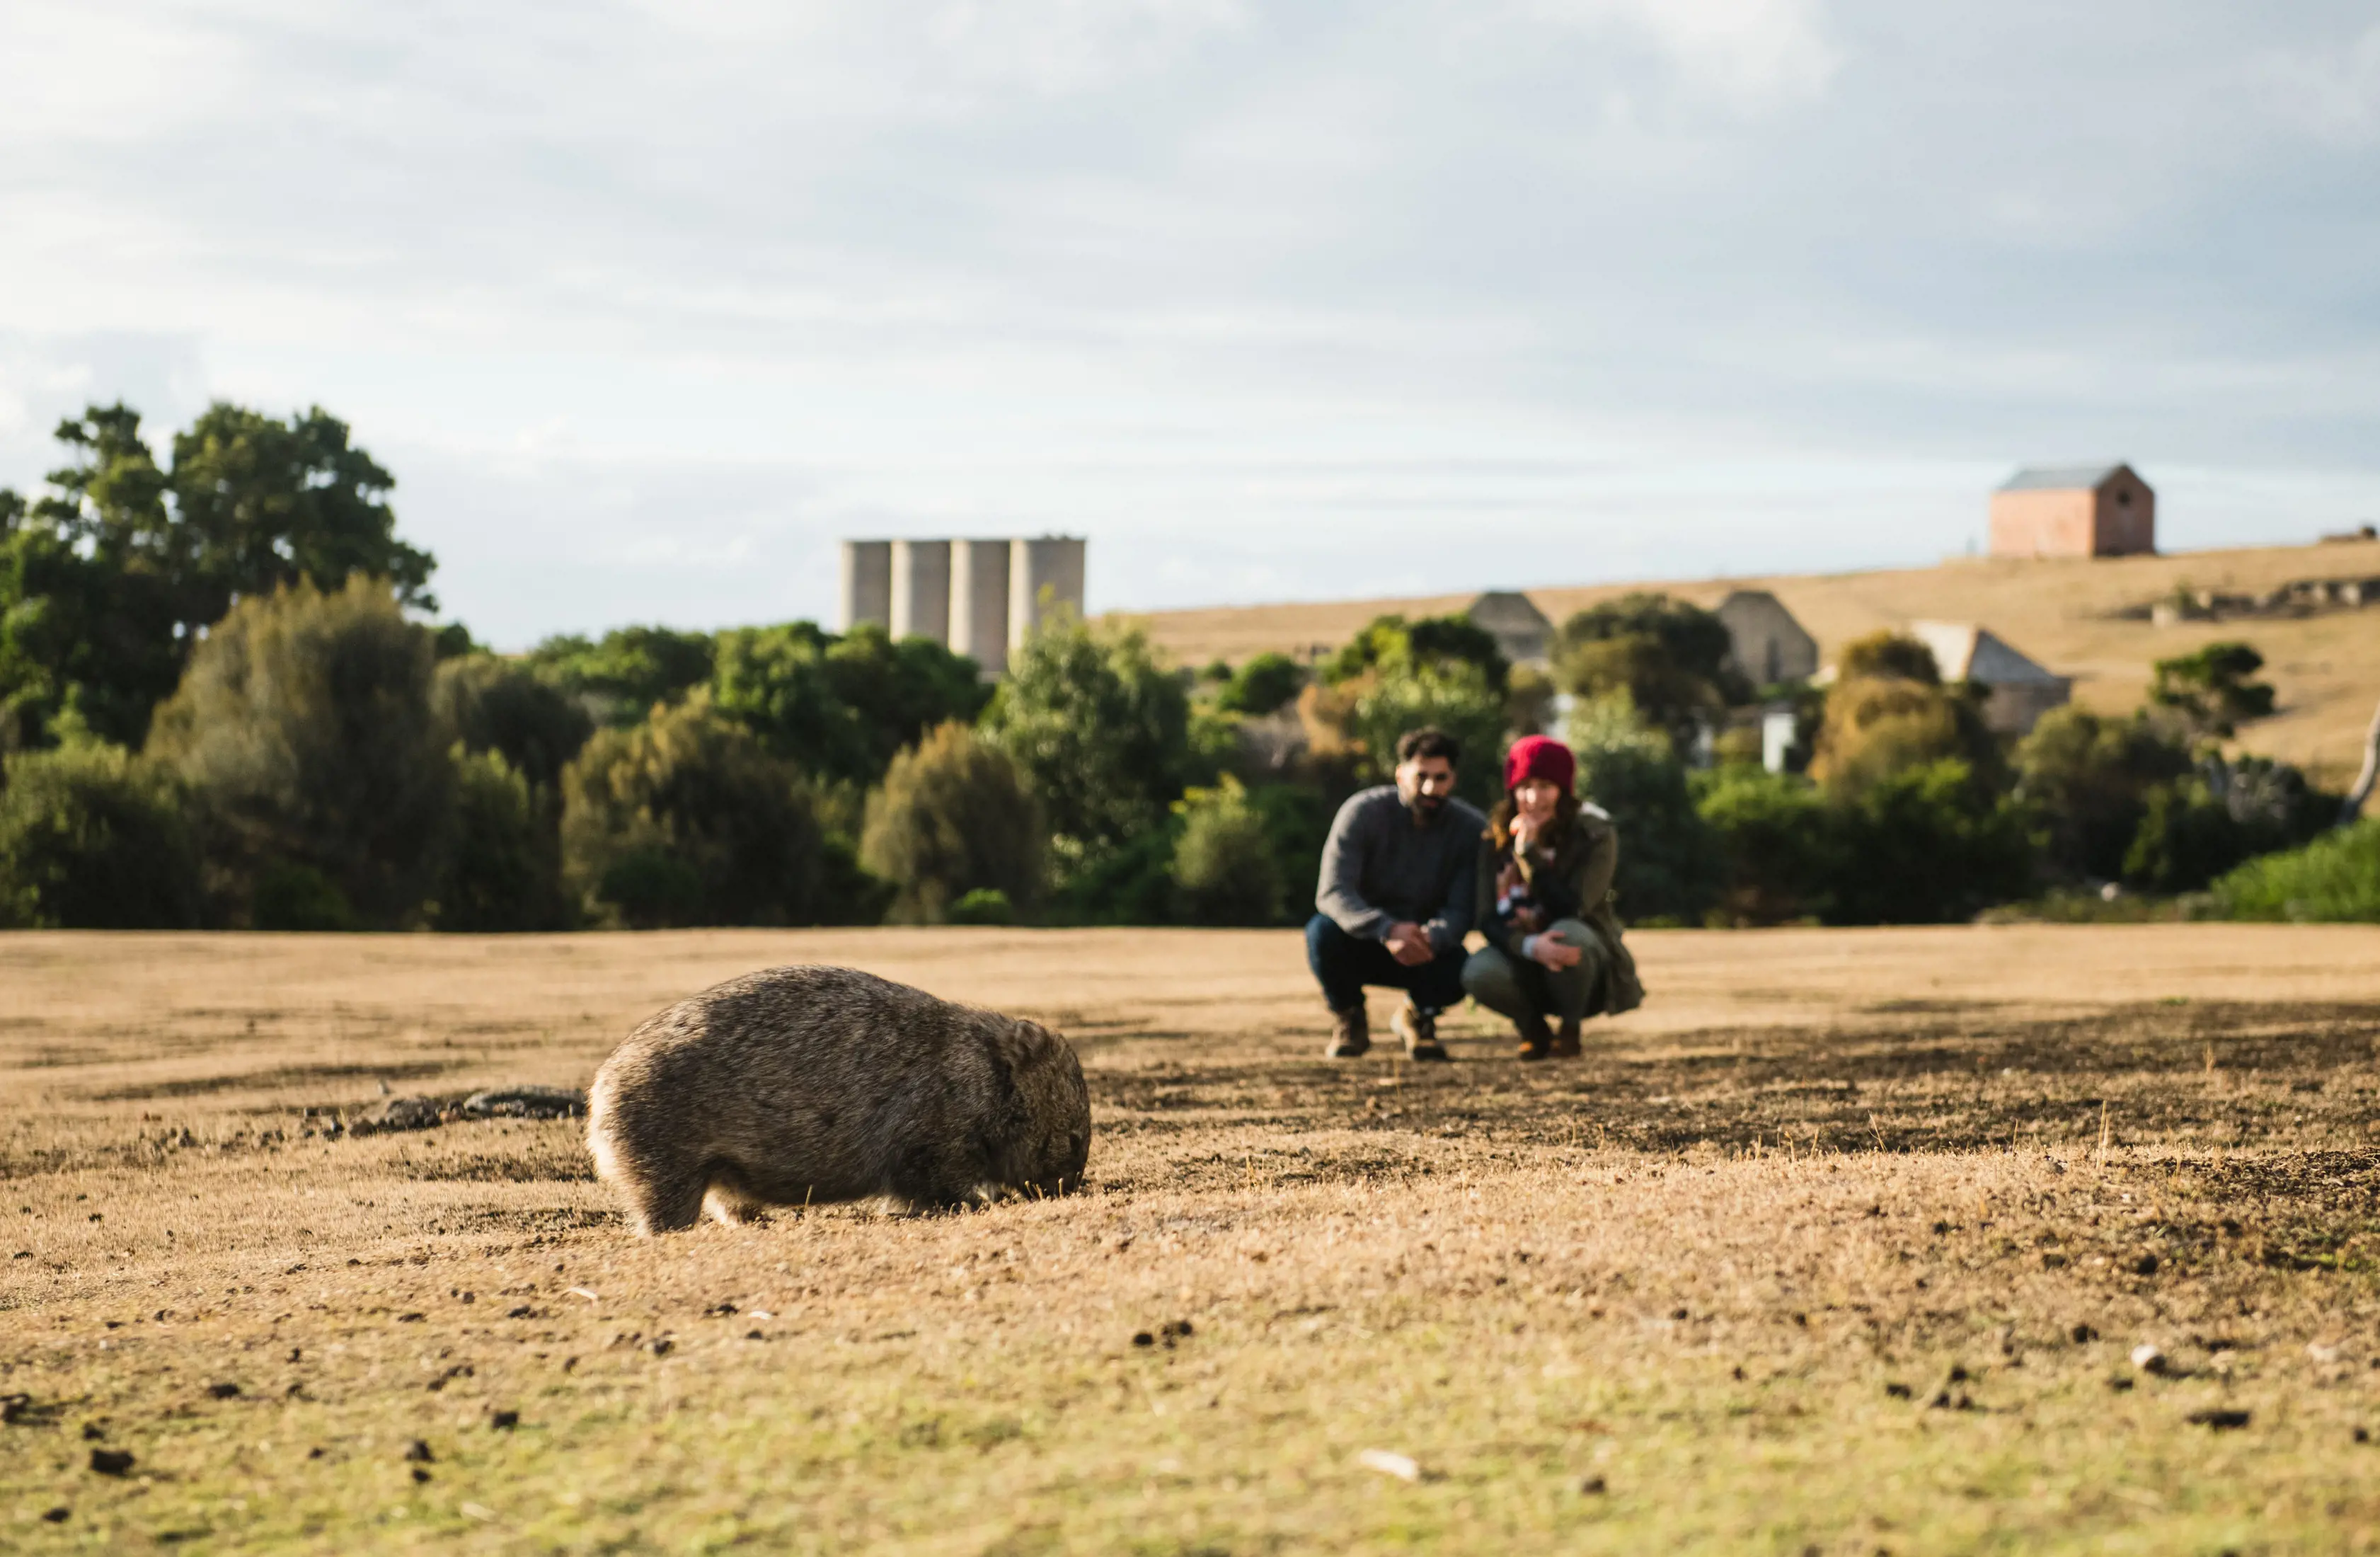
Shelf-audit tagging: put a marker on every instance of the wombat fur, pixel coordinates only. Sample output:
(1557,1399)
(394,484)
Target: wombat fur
(816,1084)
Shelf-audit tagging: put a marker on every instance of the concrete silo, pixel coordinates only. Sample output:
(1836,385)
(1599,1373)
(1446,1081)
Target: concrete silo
(980,603)
(1044,574)
(866,583)
(921,589)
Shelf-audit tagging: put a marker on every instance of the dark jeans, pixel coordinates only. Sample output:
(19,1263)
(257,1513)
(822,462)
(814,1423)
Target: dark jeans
(1343,964)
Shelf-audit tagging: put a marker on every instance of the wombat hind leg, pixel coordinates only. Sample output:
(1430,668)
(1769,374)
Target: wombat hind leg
(730,1199)
(664,1206)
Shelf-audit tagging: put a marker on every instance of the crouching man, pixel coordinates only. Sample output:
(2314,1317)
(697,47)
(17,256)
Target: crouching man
(1396,896)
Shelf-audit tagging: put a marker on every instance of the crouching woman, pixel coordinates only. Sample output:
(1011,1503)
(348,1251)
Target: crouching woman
(1553,956)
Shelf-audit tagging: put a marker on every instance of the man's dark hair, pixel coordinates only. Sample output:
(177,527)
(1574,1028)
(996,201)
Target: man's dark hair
(1429,741)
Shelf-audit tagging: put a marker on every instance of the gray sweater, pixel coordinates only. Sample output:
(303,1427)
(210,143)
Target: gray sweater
(1379,867)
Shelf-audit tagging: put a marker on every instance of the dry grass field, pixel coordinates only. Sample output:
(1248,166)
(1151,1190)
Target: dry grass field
(2063,613)
(1843,1244)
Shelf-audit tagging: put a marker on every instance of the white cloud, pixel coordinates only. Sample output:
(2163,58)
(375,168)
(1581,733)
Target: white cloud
(1756,53)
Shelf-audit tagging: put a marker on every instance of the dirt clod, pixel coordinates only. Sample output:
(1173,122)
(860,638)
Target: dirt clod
(419,1452)
(111,1462)
(504,1421)
(226,1390)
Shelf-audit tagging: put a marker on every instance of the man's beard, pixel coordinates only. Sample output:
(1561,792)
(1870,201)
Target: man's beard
(1425,805)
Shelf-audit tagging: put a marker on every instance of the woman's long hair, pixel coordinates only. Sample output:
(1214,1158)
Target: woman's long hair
(1499,820)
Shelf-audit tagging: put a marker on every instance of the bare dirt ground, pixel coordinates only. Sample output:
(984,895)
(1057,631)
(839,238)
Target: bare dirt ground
(1844,1244)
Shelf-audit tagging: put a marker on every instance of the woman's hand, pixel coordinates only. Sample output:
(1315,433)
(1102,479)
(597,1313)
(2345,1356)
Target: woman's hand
(1507,879)
(1551,951)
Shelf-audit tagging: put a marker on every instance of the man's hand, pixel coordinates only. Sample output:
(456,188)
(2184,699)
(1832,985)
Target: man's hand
(1409,944)
(1551,951)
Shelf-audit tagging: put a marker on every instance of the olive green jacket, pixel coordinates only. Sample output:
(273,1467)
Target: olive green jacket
(1576,884)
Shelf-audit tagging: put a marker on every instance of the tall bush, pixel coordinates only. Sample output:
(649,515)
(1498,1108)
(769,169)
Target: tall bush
(1102,730)
(505,707)
(953,816)
(1457,697)
(93,837)
(1779,841)
(504,871)
(1225,866)
(2090,778)
(1927,844)
(305,733)
(686,820)
(1670,866)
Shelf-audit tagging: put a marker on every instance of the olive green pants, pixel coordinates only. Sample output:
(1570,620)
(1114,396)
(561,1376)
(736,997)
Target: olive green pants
(1515,986)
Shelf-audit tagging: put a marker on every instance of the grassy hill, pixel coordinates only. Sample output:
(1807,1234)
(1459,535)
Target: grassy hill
(2067,615)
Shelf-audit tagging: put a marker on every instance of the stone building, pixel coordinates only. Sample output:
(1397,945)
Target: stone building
(2018,692)
(1768,644)
(1522,632)
(2074,511)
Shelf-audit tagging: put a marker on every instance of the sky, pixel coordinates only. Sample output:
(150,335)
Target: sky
(648,303)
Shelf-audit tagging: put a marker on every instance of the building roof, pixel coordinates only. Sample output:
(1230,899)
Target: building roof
(2062,478)
(1508,609)
(1964,652)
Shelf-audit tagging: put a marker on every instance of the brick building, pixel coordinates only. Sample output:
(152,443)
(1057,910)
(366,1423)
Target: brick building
(2074,511)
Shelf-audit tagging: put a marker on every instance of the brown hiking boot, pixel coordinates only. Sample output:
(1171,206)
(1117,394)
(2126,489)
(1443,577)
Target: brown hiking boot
(1351,1034)
(1419,1030)
(1536,1041)
(1566,1041)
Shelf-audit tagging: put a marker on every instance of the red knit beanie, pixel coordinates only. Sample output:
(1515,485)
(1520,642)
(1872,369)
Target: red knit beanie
(1540,757)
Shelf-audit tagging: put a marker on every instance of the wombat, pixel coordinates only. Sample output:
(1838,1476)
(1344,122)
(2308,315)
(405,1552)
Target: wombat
(815,1084)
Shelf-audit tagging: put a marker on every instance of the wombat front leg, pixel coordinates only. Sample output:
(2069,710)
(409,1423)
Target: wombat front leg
(731,1201)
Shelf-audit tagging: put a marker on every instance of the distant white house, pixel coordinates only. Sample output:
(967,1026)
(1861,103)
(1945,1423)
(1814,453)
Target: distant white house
(2020,691)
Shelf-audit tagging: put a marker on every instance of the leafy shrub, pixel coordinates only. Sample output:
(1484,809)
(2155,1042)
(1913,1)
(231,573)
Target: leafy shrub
(1224,866)
(93,838)
(1929,845)
(953,817)
(686,820)
(1779,840)
(505,872)
(291,895)
(2334,880)
(304,732)
(1438,643)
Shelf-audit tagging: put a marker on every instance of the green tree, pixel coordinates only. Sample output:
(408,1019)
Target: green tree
(1671,870)
(504,870)
(305,732)
(1262,686)
(261,503)
(1455,694)
(1226,869)
(1670,657)
(93,837)
(2210,691)
(1429,643)
(628,672)
(2090,778)
(686,820)
(841,707)
(505,707)
(108,580)
(1102,730)
(953,816)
